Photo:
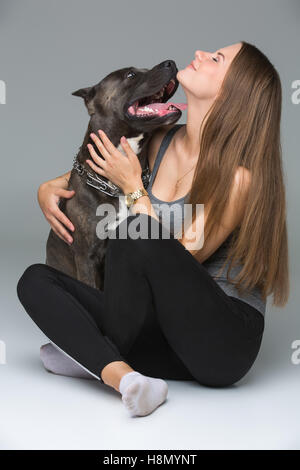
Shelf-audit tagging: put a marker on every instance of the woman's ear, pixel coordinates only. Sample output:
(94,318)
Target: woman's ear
(88,95)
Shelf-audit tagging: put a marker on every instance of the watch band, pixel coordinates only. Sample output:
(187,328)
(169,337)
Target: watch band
(131,198)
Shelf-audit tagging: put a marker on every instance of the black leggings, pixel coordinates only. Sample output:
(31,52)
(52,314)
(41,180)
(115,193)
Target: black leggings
(161,312)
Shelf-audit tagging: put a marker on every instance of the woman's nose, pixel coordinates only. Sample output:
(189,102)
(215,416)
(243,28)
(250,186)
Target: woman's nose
(200,55)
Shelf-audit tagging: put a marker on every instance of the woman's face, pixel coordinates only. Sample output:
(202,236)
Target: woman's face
(203,77)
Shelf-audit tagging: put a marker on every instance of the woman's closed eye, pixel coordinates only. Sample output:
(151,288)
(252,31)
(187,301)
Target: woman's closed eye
(216,59)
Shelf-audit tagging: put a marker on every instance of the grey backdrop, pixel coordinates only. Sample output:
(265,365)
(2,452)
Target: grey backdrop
(48,50)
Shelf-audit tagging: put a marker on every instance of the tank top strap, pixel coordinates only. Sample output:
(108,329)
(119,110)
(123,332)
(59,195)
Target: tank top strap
(163,147)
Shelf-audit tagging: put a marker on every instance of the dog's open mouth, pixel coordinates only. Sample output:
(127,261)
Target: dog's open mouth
(156,105)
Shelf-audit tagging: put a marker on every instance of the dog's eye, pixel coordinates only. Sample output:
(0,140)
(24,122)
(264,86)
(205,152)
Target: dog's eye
(130,74)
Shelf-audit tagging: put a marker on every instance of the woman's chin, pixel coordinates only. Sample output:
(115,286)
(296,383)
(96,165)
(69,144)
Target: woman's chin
(183,79)
(181,76)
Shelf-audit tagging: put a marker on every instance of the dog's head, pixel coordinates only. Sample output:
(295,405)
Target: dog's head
(136,97)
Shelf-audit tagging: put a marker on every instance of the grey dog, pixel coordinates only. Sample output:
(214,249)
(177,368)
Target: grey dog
(130,102)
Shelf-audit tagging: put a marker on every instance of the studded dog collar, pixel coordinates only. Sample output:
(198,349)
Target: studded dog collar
(103,185)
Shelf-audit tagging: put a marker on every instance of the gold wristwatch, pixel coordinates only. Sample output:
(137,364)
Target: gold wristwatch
(131,198)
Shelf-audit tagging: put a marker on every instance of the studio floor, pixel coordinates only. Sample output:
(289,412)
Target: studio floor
(42,411)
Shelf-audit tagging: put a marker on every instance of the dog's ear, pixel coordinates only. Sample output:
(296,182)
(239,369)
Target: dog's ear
(87,94)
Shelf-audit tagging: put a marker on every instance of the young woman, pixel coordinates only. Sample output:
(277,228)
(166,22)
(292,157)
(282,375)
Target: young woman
(166,312)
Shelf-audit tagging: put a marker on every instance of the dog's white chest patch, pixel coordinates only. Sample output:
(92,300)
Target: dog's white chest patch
(134,143)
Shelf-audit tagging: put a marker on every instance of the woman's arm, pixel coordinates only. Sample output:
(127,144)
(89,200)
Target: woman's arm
(49,194)
(232,216)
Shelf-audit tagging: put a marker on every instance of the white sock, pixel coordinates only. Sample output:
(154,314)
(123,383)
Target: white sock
(142,394)
(57,362)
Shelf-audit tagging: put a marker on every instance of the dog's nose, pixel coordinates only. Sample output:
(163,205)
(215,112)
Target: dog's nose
(167,64)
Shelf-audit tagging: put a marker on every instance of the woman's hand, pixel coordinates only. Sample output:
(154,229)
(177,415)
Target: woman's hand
(124,171)
(49,194)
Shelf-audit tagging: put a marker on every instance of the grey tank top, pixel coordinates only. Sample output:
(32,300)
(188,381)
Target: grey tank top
(175,211)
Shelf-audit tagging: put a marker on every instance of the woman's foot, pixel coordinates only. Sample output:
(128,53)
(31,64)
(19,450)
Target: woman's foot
(57,362)
(142,394)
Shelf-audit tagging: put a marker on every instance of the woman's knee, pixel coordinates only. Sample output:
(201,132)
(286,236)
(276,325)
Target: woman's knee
(216,382)
(126,238)
(222,380)
(136,233)
(140,226)
(28,280)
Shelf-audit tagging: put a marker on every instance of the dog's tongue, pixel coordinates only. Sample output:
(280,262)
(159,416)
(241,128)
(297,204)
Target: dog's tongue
(180,106)
(159,109)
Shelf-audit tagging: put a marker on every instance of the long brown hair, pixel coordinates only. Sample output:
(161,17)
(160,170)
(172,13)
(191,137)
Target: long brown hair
(242,128)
